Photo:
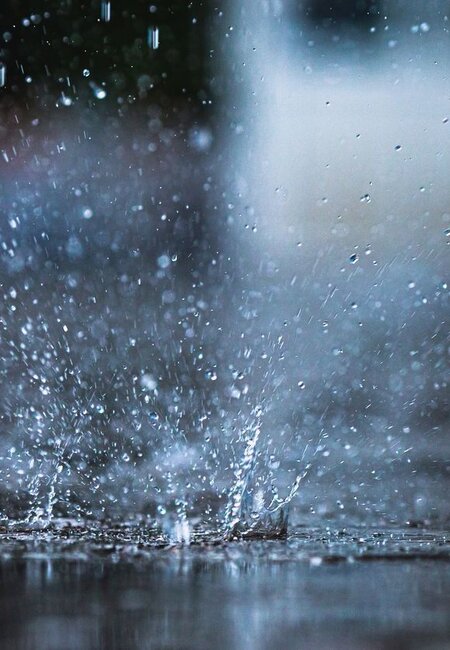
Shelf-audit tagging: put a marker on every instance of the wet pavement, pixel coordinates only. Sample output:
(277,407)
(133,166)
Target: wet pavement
(126,587)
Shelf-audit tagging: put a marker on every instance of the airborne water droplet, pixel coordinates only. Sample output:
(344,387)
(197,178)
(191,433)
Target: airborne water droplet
(2,74)
(163,261)
(153,37)
(87,213)
(105,11)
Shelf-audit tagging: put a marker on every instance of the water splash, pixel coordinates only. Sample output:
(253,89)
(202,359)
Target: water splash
(239,495)
(246,513)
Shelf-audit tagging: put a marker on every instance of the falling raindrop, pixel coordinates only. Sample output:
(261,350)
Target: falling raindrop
(153,37)
(200,139)
(105,11)
(87,213)
(99,92)
(163,261)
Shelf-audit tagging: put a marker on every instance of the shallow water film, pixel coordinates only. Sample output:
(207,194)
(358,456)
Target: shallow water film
(224,332)
(124,586)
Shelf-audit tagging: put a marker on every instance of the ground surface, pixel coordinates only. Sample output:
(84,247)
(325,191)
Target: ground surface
(127,588)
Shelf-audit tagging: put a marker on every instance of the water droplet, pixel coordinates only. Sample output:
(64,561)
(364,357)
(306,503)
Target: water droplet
(353,258)
(105,11)
(153,37)
(66,101)
(200,139)
(163,261)
(148,382)
(100,93)
(74,247)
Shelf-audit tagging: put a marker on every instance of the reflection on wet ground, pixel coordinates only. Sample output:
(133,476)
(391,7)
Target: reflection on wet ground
(125,588)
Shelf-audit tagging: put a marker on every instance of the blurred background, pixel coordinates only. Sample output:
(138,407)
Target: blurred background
(224,226)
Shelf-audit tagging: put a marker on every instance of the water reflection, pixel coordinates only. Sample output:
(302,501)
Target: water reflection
(183,600)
